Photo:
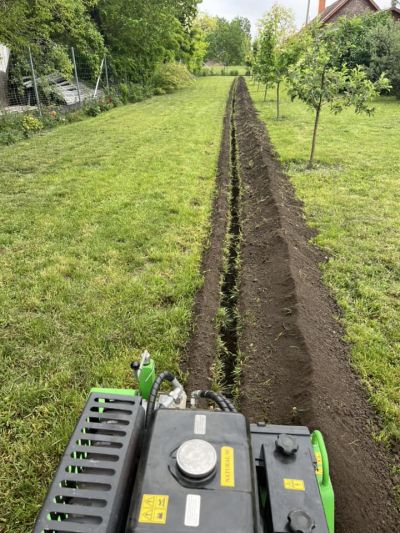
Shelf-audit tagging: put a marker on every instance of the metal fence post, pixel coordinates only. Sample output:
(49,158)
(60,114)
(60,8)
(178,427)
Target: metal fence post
(76,75)
(106,71)
(35,86)
(98,79)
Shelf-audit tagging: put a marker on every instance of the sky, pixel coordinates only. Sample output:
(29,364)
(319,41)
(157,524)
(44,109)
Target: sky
(254,9)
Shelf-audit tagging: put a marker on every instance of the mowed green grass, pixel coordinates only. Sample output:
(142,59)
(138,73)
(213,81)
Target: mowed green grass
(352,198)
(102,225)
(219,69)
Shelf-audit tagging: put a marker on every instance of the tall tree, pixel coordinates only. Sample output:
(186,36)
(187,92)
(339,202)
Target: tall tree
(50,27)
(142,33)
(229,42)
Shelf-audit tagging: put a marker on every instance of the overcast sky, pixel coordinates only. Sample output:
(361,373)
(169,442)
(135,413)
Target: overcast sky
(254,9)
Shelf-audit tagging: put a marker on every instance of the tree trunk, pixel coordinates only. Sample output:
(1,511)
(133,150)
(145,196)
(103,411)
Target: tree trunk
(265,94)
(314,140)
(317,114)
(278,103)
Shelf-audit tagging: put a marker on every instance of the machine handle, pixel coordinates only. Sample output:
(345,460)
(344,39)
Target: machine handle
(318,439)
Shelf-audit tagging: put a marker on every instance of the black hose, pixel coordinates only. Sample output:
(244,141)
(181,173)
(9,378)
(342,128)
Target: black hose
(217,398)
(230,404)
(164,376)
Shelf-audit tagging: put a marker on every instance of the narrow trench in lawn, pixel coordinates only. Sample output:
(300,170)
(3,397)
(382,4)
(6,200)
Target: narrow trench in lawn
(265,327)
(229,321)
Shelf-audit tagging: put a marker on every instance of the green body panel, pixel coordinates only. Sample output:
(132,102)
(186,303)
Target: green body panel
(121,392)
(324,480)
(147,377)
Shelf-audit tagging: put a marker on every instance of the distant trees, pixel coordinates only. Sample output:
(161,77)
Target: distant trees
(138,34)
(383,49)
(228,42)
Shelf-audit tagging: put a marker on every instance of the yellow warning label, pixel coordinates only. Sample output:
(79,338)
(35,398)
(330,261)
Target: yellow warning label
(294,484)
(227,467)
(319,471)
(154,509)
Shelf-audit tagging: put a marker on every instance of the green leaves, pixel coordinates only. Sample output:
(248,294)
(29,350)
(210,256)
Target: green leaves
(50,27)
(228,42)
(273,54)
(139,34)
(319,78)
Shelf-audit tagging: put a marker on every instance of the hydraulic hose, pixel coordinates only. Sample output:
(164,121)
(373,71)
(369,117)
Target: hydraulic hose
(164,376)
(220,400)
(230,404)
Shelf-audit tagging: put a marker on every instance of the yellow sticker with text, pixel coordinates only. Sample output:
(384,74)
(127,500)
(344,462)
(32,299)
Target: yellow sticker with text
(154,509)
(294,484)
(227,467)
(319,471)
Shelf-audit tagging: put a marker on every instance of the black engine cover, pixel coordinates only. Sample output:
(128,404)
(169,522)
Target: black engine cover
(166,500)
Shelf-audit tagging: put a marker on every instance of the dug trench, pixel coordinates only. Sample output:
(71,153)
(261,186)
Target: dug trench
(280,328)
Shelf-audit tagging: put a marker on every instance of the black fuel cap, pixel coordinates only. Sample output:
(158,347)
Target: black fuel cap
(286,444)
(300,522)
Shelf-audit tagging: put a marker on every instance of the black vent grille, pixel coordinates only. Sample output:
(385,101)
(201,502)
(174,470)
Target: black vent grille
(92,488)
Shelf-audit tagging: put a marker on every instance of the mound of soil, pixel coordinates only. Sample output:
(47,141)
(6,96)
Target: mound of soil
(296,367)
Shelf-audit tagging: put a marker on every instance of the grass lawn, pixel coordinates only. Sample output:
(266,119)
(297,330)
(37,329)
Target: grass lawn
(352,198)
(102,225)
(238,70)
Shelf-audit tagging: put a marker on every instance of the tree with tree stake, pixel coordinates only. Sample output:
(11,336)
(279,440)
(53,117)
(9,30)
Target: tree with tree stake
(266,60)
(274,56)
(318,81)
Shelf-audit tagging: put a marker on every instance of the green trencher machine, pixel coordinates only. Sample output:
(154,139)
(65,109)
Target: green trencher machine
(149,461)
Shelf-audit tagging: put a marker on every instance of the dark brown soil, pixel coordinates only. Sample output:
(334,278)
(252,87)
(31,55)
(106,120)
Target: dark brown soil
(296,368)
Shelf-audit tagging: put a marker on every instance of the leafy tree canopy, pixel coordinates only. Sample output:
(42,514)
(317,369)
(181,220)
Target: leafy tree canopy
(50,27)
(229,42)
(138,34)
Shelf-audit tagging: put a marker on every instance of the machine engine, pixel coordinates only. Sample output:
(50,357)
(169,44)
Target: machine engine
(183,470)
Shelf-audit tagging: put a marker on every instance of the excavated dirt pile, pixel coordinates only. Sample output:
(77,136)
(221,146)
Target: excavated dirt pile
(294,366)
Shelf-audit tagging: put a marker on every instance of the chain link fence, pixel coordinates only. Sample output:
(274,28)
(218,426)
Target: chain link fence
(31,90)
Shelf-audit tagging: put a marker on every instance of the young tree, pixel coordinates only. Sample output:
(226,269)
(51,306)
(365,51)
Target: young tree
(265,61)
(276,27)
(318,81)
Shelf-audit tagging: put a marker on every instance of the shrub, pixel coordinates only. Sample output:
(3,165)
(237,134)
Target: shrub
(133,92)
(31,125)
(172,76)
(92,109)
(158,91)
(137,93)
(10,137)
(123,89)
(16,126)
